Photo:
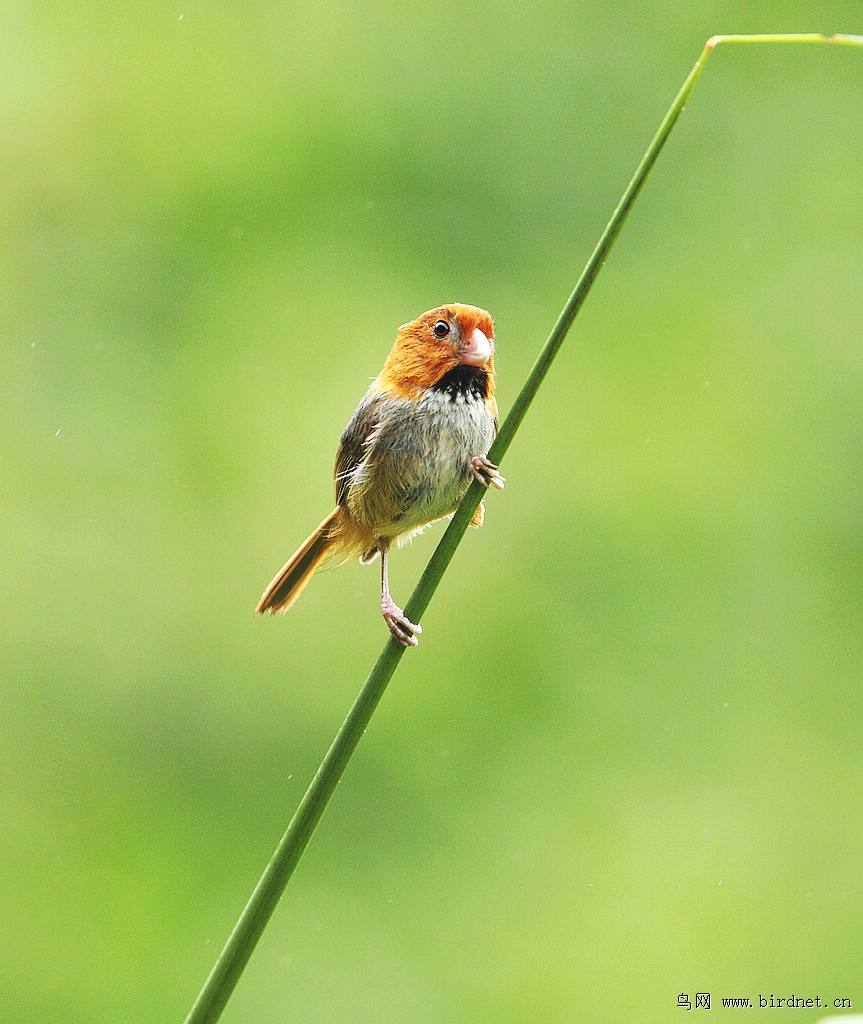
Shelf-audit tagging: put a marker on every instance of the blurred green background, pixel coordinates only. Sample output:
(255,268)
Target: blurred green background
(625,761)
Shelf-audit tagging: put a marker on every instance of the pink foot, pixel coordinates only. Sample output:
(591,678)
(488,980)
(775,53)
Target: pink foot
(486,472)
(399,624)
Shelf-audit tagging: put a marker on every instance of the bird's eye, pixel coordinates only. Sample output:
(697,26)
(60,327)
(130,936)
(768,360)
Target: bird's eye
(441,329)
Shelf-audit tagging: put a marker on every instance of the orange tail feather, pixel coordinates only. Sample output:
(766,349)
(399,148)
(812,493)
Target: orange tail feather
(290,580)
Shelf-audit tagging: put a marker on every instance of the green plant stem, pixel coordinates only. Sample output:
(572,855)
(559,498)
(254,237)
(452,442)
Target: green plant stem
(242,941)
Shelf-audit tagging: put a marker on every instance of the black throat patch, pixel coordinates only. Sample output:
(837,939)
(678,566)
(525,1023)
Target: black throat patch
(463,382)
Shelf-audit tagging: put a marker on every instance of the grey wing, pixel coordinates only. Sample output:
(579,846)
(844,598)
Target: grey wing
(353,444)
(376,462)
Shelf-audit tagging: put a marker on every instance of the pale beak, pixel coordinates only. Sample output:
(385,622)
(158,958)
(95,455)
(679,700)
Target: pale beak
(477,349)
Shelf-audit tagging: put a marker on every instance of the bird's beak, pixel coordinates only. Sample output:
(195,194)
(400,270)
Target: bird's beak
(477,349)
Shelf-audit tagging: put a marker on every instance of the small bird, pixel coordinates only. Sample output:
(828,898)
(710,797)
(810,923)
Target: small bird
(415,442)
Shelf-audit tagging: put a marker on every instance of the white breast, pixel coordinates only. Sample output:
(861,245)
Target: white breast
(415,469)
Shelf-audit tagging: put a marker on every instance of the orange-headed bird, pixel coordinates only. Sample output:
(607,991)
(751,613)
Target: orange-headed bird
(406,458)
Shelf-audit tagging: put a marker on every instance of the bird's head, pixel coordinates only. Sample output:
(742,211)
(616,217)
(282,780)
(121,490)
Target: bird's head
(435,343)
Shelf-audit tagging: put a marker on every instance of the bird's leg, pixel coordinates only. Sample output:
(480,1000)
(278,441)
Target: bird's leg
(397,622)
(486,472)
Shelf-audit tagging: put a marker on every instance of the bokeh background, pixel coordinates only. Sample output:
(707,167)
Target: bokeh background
(625,762)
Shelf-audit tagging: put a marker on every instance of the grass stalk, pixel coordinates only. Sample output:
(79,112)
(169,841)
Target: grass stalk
(222,979)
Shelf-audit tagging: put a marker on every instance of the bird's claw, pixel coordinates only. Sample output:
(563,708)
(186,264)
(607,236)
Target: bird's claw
(399,624)
(486,472)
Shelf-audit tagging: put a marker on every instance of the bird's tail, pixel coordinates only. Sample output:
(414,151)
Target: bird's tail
(289,581)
